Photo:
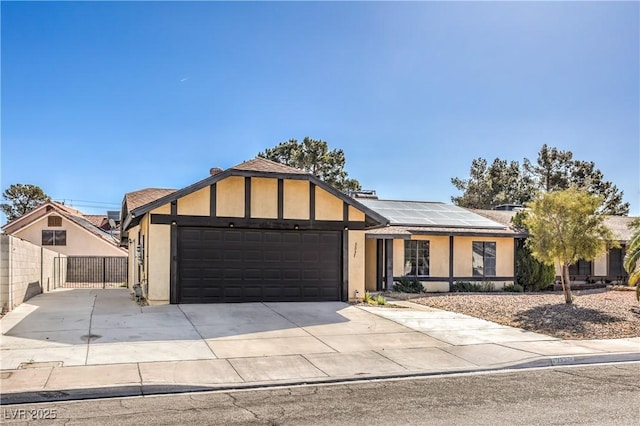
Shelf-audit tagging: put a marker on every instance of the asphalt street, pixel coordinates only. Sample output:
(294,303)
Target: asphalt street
(586,395)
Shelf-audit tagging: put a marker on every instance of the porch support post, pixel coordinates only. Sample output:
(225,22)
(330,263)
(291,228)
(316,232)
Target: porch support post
(379,264)
(388,254)
(515,260)
(451,269)
(173,263)
(345,266)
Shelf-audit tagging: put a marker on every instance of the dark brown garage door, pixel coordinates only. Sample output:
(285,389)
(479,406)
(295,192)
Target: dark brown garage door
(241,265)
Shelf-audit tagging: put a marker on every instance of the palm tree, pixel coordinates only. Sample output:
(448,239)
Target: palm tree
(632,257)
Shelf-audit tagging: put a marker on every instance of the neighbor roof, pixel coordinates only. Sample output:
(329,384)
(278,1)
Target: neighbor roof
(429,214)
(96,219)
(619,225)
(69,213)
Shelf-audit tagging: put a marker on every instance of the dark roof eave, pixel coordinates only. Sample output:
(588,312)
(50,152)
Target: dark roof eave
(417,225)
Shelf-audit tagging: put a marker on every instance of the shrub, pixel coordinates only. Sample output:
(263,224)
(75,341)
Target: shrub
(532,274)
(466,287)
(368,298)
(406,285)
(514,288)
(371,300)
(488,286)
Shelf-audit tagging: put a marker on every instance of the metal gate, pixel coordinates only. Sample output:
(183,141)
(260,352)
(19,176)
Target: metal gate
(93,271)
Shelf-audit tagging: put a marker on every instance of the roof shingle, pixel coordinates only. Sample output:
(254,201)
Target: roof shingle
(139,198)
(259,164)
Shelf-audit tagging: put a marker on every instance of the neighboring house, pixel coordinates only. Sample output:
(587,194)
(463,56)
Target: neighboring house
(64,230)
(607,268)
(109,223)
(263,231)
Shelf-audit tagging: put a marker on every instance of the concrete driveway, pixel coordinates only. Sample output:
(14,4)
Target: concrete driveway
(87,327)
(103,338)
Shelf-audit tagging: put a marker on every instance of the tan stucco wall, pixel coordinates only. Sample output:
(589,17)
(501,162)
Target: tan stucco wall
(462,257)
(370,264)
(80,241)
(328,206)
(264,198)
(355,215)
(230,197)
(436,286)
(601,266)
(159,255)
(356,259)
(296,199)
(195,204)
(164,209)
(398,258)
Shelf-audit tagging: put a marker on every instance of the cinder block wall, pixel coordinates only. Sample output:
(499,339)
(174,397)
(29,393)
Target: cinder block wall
(25,270)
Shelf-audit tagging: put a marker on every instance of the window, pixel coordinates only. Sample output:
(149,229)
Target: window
(416,257)
(54,221)
(54,238)
(581,267)
(616,262)
(484,259)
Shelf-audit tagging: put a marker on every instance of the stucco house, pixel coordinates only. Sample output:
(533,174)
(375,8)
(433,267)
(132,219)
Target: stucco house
(64,230)
(263,231)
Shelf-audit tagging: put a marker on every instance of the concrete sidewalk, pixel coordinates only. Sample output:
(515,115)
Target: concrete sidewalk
(90,343)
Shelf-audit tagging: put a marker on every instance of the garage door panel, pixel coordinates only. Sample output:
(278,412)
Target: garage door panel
(272,257)
(210,235)
(232,292)
(253,256)
(210,254)
(212,292)
(291,292)
(238,265)
(326,275)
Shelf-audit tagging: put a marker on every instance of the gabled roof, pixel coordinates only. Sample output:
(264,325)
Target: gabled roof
(260,164)
(36,214)
(67,212)
(145,196)
(257,167)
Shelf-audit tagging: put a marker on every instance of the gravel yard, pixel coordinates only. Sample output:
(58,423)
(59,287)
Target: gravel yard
(593,315)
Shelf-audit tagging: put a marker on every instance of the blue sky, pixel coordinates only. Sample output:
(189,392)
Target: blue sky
(99,99)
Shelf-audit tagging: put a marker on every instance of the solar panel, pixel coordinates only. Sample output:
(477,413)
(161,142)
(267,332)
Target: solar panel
(428,214)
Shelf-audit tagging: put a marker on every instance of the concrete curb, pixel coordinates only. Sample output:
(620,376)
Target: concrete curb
(8,398)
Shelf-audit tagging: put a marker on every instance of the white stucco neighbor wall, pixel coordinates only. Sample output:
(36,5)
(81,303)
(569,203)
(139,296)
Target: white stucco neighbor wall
(80,241)
(26,270)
